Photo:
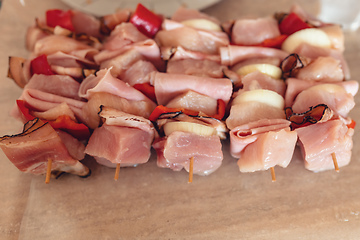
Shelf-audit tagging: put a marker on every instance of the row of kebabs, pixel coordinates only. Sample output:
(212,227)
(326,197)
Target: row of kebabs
(116,86)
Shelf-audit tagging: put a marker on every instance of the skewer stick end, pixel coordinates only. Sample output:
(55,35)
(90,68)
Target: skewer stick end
(117,172)
(191,169)
(335,162)
(48,171)
(273,176)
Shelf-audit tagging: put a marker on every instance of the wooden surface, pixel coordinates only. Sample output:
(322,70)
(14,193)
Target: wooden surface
(152,203)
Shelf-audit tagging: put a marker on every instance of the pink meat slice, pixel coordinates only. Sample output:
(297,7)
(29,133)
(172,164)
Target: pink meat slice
(336,35)
(232,54)
(247,112)
(322,69)
(85,24)
(258,80)
(202,68)
(296,86)
(138,73)
(43,101)
(176,150)
(339,100)
(262,60)
(313,52)
(124,57)
(60,85)
(319,141)
(263,144)
(122,35)
(54,43)
(254,31)
(195,101)
(168,86)
(30,150)
(176,34)
(104,81)
(72,59)
(33,34)
(91,108)
(180,53)
(110,21)
(183,14)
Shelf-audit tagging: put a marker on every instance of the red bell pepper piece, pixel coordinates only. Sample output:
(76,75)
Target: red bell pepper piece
(352,124)
(57,17)
(40,65)
(147,89)
(24,110)
(63,122)
(292,23)
(78,130)
(221,108)
(160,109)
(275,42)
(146,21)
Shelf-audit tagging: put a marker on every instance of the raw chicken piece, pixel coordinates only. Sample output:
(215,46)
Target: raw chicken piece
(123,138)
(174,152)
(320,140)
(263,144)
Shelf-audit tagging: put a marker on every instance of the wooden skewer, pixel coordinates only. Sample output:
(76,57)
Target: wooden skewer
(117,171)
(273,174)
(48,171)
(335,162)
(191,169)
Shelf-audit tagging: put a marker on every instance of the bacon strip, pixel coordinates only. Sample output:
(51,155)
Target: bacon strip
(30,150)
